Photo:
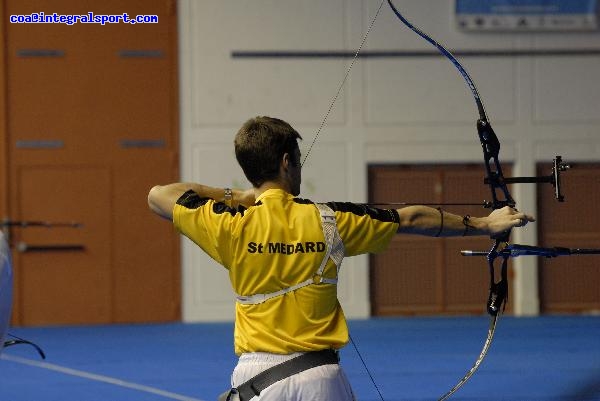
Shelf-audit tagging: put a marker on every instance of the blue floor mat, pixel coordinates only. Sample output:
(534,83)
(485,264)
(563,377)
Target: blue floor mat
(413,359)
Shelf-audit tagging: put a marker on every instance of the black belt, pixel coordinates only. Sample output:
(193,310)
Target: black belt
(258,383)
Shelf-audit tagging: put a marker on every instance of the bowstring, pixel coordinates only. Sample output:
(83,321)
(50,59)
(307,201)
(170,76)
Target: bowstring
(341,86)
(323,122)
(366,368)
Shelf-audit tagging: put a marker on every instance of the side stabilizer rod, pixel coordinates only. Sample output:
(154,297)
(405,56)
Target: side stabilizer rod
(515,250)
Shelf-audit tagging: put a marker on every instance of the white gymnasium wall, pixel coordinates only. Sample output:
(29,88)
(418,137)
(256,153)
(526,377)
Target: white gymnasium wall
(394,110)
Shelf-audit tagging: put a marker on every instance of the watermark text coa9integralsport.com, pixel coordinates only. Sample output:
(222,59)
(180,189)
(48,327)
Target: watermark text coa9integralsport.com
(89,18)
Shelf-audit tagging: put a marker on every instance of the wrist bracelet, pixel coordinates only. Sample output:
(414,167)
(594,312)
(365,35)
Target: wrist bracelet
(228,196)
(441,221)
(465,222)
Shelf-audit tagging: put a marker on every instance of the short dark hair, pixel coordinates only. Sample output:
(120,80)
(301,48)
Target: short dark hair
(260,145)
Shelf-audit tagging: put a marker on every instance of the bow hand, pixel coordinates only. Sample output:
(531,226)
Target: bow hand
(501,221)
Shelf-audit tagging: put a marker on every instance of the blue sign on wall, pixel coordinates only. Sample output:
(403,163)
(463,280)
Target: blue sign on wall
(527,15)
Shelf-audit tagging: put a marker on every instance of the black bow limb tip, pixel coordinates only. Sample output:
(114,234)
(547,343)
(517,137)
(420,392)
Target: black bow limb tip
(20,341)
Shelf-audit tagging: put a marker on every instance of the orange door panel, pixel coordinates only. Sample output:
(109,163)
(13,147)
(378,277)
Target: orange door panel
(146,256)
(570,284)
(63,273)
(92,124)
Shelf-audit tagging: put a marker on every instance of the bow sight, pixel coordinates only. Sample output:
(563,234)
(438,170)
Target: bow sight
(553,178)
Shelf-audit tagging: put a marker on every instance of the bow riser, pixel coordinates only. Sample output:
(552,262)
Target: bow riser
(495,177)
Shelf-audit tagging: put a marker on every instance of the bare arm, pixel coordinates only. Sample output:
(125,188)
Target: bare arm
(431,222)
(162,198)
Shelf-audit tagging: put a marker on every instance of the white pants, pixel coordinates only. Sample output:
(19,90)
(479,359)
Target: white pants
(322,383)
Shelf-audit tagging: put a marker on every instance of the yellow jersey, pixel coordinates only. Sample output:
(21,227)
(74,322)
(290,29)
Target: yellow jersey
(276,244)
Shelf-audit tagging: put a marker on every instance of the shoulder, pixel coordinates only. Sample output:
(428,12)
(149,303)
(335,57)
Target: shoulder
(364,210)
(191,200)
(358,210)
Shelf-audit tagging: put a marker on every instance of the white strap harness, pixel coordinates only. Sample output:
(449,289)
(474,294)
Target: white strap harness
(334,250)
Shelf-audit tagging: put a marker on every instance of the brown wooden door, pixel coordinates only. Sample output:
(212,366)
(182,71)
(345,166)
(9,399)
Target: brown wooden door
(92,125)
(3,115)
(570,283)
(423,275)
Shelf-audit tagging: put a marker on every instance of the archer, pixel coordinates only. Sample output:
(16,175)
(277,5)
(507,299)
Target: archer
(289,323)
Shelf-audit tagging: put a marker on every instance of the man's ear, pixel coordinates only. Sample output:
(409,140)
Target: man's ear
(285,161)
